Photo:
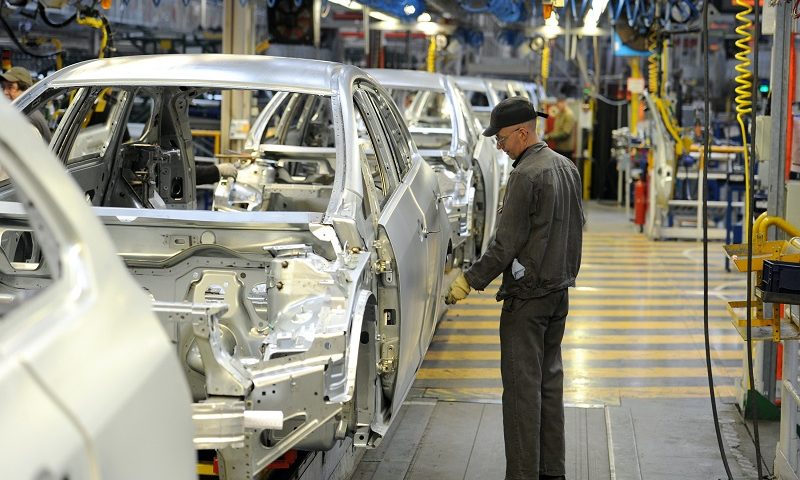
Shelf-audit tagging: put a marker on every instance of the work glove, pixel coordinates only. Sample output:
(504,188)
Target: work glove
(227,170)
(459,290)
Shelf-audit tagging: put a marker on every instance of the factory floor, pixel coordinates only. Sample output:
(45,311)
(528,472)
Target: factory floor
(635,377)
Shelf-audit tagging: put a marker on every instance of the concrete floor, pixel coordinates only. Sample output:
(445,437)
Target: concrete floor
(633,348)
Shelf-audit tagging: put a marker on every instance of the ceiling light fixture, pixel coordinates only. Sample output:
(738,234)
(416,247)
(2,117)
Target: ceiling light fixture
(381,16)
(425,17)
(352,5)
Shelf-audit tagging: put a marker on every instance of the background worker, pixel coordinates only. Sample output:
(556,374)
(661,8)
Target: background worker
(562,137)
(15,81)
(537,248)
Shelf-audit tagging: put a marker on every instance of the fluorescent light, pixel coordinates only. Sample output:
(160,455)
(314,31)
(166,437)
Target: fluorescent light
(428,28)
(352,5)
(425,17)
(592,17)
(551,28)
(410,9)
(381,16)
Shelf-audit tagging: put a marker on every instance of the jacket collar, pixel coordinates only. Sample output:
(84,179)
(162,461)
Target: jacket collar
(536,147)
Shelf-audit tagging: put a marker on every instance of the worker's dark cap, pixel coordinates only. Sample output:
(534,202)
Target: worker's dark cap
(20,75)
(511,111)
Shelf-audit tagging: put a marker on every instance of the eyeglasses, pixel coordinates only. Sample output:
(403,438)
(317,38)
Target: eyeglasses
(501,140)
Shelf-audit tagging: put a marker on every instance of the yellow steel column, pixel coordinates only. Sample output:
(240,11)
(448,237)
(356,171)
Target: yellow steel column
(633,115)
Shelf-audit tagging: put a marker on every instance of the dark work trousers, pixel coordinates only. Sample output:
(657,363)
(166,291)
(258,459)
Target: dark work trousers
(533,384)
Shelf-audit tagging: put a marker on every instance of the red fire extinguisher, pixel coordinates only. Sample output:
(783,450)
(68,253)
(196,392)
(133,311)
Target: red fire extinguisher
(639,202)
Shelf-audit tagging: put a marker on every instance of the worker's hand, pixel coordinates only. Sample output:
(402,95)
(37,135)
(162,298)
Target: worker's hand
(227,170)
(459,290)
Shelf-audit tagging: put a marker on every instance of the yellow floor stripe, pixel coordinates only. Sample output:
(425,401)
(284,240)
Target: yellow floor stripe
(575,326)
(573,313)
(648,274)
(591,302)
(570,354)
(599,339)
(573,394)
(636,268)
(573,373)
(582,282)
(591,292)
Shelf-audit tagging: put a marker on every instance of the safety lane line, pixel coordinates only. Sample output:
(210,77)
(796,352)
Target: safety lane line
(606,325)
(577,300)
(480,312)
(591,392)
(572,339)
(591,355)
(584,372)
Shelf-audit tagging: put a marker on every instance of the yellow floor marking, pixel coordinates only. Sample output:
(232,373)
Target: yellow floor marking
(580,373)
(634,268)
(569,339)
(569,354)
(678,325)
(608,395)
(697,284)
(577,300)
(649,274)
(590,292)
(573,313)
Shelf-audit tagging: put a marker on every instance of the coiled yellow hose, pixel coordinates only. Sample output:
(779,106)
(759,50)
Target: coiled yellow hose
(744,99)
(652,63)
(545,63)
(432,54)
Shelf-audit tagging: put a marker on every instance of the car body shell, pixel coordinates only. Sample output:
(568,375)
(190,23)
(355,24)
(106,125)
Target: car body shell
(90,382)
(495,90)
(323,325)
(467,148)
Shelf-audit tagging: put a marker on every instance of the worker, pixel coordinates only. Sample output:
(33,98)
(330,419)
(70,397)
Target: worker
(537,248)
(15,81)
(562,136)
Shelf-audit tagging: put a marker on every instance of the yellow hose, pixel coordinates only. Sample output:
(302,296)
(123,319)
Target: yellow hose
(743,91)
(652,63)
(97,23)
(432,54)
(780,223)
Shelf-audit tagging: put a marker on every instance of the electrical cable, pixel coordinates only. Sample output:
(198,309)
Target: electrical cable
(705,157)
(19,44)
(750,192)
(50,23)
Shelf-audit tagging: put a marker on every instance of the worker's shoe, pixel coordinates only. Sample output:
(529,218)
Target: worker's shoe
(552,477)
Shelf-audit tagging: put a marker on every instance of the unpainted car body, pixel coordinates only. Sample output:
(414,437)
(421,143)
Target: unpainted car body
(483,94)
(327,253)
(91,386)
(448,136)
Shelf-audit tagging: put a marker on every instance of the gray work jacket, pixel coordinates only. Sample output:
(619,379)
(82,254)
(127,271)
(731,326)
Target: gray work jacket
(540,226)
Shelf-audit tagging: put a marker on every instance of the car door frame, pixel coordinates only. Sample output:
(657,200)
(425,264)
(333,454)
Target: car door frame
(398,212)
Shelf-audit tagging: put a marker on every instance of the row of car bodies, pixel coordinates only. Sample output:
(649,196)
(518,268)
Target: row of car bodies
(483,95)
(301,305)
